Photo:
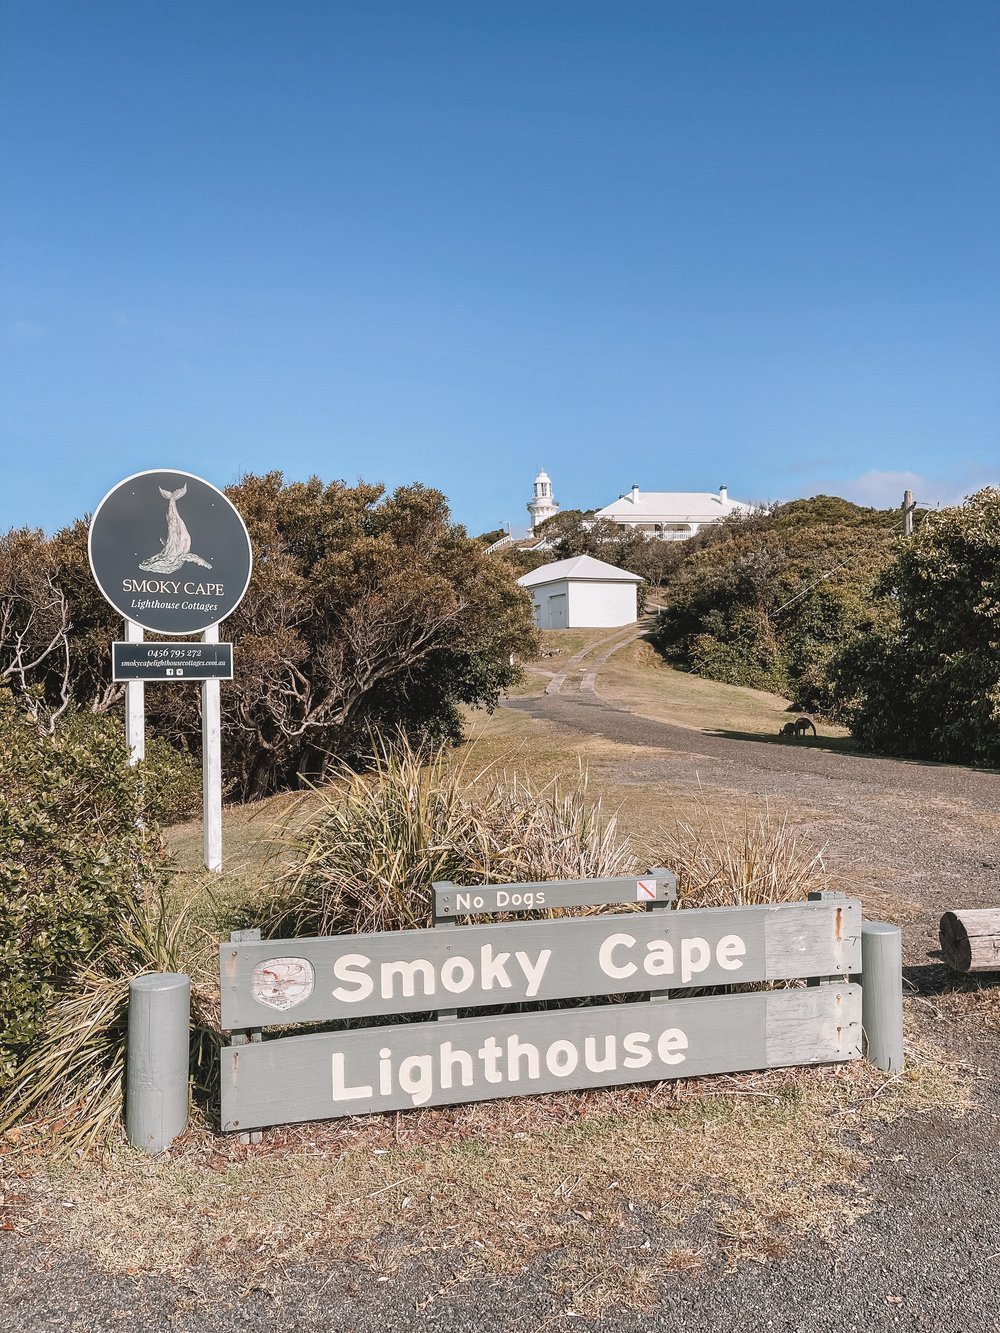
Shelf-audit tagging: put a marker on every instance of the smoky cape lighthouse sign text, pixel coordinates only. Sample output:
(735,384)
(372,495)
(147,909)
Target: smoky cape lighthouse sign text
(170,552)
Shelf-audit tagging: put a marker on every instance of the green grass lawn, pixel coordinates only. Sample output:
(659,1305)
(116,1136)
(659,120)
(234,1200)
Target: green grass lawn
(638,679)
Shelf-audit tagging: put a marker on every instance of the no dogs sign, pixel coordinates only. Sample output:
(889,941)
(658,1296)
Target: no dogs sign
(170,552)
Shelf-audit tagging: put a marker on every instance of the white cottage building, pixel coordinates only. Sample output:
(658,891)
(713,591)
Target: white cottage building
(667,515)
(671,515)
(582,593)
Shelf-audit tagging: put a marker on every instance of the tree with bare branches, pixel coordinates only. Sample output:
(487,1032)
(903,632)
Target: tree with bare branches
(34,628)
(365,610)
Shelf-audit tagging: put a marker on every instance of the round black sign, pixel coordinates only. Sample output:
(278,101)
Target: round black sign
(170,552)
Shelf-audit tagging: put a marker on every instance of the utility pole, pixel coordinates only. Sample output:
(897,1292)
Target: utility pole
(908,508)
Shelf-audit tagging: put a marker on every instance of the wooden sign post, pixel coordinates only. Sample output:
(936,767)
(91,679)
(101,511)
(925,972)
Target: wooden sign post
(395,1063)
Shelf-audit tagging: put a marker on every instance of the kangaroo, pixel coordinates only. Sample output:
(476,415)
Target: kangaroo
(797,728)
(177,546)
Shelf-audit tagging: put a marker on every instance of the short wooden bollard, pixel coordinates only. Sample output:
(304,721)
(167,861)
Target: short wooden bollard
(156,1097)
(882,994)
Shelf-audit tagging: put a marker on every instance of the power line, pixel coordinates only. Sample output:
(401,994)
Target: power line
(906,520)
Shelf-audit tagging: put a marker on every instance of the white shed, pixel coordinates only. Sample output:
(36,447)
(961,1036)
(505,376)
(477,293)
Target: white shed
(582,593)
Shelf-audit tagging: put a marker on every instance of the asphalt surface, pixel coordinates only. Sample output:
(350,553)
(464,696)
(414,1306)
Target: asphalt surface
(927,1255)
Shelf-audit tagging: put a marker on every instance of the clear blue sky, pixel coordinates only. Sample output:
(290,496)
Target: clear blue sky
(676,243)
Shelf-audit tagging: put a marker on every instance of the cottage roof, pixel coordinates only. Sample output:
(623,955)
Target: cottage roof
(580,568)
(670,506)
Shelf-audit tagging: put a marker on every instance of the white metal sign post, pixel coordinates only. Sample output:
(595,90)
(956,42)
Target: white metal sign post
(135,704)
(211,763)
(196,578)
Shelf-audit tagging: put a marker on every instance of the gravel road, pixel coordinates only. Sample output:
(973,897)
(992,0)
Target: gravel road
(926,1257)
(932,831)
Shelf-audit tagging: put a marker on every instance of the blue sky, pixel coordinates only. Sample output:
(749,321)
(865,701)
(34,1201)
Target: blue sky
(676,244)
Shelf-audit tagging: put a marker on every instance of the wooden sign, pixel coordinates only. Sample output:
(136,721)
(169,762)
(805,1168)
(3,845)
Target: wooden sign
(659,954)
(413,971)
(453,900)
(405,1065)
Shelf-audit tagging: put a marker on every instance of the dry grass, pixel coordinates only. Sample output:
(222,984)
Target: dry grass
(558,647)
(366,858)
(724,1169)
(760,858)
(75,1070)
(637,678)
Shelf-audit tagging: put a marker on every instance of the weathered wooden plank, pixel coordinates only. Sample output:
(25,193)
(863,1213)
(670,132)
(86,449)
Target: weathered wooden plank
(814,1025)
(476,1059)
(451,900)
(796,949)
(414,971)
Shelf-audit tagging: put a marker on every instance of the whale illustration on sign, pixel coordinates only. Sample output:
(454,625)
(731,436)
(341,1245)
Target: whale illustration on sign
(177,546)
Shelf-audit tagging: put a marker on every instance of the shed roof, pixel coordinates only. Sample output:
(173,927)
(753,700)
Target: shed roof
(579,568)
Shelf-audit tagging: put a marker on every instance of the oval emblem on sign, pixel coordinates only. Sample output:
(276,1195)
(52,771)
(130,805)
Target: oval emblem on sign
(282,983)
(170,552)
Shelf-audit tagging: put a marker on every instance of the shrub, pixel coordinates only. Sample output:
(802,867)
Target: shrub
(768,600)
(71,858)
(75,1069)
(719,863)
(923,679)
(169,781)
(744,663)
(368,857)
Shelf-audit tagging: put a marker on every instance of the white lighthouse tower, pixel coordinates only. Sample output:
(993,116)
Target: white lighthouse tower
(541,505)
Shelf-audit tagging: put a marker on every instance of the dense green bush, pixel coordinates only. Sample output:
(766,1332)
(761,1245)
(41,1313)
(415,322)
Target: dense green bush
(365,610)
(769,600)
(169,781)
(72,859)
(923,677)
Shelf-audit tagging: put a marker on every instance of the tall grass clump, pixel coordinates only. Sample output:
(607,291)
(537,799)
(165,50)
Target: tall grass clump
(523,831)
(758,859)
(73,1078)
(367,860)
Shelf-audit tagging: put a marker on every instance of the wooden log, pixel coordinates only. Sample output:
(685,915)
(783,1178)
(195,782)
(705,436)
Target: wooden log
(970,941)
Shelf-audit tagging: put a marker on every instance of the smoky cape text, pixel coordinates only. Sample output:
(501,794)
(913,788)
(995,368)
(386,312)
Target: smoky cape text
(174,587)
(350,976)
